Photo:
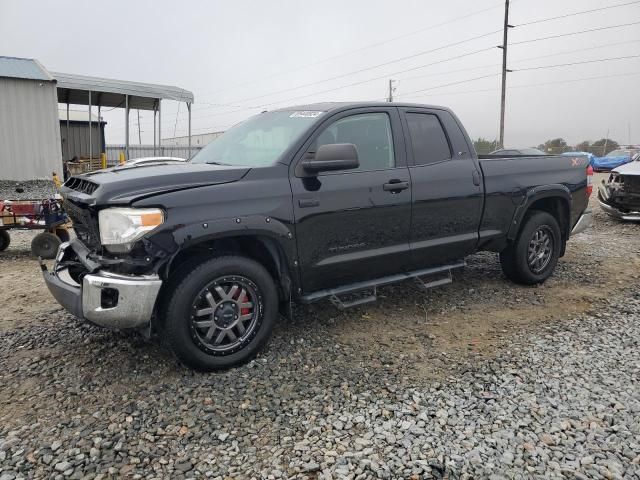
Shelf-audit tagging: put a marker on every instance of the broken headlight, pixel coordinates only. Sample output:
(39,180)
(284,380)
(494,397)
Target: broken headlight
(120,228)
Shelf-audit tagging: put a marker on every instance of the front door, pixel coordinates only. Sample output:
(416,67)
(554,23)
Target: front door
(353,225)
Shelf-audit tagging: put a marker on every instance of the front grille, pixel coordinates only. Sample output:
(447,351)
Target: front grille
(632,183)
(81,185)
(84,224)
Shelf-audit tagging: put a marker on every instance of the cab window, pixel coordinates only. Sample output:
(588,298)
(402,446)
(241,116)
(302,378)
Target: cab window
(369,132)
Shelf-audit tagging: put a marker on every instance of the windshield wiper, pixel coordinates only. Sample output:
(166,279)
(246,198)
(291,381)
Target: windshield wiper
(217,163)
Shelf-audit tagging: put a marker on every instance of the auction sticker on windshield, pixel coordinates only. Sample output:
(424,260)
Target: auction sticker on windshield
(306,114)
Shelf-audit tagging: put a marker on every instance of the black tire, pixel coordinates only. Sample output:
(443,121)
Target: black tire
(516,259)
(187,335)
(63,234)
(45,245)
(5,240)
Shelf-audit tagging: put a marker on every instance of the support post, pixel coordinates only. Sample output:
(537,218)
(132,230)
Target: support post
(90,140)
(155,110)
(126,127)
(390,97)
(189,109)
(68,139)
(160,127)
(504,70)
(99,134)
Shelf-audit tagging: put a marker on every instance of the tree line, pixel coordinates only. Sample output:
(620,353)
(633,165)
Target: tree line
(556,145)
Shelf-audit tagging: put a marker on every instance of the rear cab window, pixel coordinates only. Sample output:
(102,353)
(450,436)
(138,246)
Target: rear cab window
(427,138)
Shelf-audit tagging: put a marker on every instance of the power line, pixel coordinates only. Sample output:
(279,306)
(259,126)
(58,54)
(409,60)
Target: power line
(439,86)
(245,108)
(536,57)
(510,87)
(354,72)
(541,67)
(366,47)
(573,33)
(386,75)
(451,83)
(572,80)
(542,20)
(442,47)
(242,108)
(597,47)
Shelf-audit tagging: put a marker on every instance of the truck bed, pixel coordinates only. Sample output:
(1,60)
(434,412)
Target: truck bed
(509,180)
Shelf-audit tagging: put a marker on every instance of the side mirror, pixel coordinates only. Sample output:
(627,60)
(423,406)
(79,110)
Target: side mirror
(335,156)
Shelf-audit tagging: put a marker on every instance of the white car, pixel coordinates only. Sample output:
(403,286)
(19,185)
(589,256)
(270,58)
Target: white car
(619,196)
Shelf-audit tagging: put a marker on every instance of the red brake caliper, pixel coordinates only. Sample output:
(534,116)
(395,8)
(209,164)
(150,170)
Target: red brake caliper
(245,310)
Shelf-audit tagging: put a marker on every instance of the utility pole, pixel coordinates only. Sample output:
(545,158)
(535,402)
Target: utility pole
(391,90)
(139,136)
(504,70)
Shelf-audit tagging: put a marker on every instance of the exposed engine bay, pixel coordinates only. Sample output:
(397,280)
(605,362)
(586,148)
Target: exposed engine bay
(619,195)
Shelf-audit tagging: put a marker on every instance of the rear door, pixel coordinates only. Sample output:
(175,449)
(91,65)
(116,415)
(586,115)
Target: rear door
(446,188)
(353,225)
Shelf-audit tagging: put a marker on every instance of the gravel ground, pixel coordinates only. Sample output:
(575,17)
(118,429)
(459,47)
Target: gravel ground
(31,189)
(480,379)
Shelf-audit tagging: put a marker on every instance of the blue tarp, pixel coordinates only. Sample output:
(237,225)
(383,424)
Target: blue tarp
(609,163)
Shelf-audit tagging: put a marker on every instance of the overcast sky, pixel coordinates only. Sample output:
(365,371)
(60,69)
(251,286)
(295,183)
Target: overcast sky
(261,54)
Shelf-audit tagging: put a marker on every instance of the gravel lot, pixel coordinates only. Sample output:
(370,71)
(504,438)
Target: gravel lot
(14,190)
(479,379)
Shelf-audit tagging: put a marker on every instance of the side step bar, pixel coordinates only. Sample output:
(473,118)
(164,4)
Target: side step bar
(371,285)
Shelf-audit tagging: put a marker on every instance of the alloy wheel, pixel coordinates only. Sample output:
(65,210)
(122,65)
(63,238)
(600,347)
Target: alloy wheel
(225,315)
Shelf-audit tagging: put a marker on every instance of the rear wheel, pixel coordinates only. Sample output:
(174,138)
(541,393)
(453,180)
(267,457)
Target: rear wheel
(45,245)
(5,240)
(533,256)
(221,313)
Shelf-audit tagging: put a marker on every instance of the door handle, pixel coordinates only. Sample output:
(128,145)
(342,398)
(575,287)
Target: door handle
(476,178)
(395,186)
(308,202)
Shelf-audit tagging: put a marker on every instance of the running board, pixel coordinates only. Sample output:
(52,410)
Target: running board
(334,293)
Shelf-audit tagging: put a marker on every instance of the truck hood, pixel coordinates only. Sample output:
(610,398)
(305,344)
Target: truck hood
(632,168)
(122,185)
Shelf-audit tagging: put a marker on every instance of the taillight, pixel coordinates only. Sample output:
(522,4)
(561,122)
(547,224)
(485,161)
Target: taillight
(589,180)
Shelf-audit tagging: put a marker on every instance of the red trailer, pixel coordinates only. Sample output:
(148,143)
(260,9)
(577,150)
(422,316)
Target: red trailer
(46,215)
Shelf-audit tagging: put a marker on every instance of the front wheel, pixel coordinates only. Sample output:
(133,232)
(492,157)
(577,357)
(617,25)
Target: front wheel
(221,313)
(533,256)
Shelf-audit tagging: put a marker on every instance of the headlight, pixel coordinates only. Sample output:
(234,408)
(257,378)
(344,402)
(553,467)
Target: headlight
(121,227)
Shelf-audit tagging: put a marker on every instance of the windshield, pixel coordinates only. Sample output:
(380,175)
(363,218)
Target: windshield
(258,141)
(618,153)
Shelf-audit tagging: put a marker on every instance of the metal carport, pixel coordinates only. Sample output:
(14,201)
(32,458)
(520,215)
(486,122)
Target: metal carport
(107,92)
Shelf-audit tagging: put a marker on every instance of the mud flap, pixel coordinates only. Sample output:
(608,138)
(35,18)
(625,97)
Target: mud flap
(286,309)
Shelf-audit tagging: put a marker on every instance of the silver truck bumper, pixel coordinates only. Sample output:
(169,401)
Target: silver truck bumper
(583,223)
(105,298)
(614,212)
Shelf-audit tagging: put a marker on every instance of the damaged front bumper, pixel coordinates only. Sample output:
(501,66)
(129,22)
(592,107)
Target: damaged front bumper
(104,298)
(608,205)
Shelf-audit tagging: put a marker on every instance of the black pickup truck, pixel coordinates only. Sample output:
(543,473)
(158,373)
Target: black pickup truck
(320,201)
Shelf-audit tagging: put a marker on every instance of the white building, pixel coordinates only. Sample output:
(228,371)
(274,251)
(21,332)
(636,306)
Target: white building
(198,141)
(30,147)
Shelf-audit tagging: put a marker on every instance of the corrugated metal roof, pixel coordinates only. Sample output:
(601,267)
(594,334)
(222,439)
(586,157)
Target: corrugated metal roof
(77,116)
(108,92)
(25,68)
